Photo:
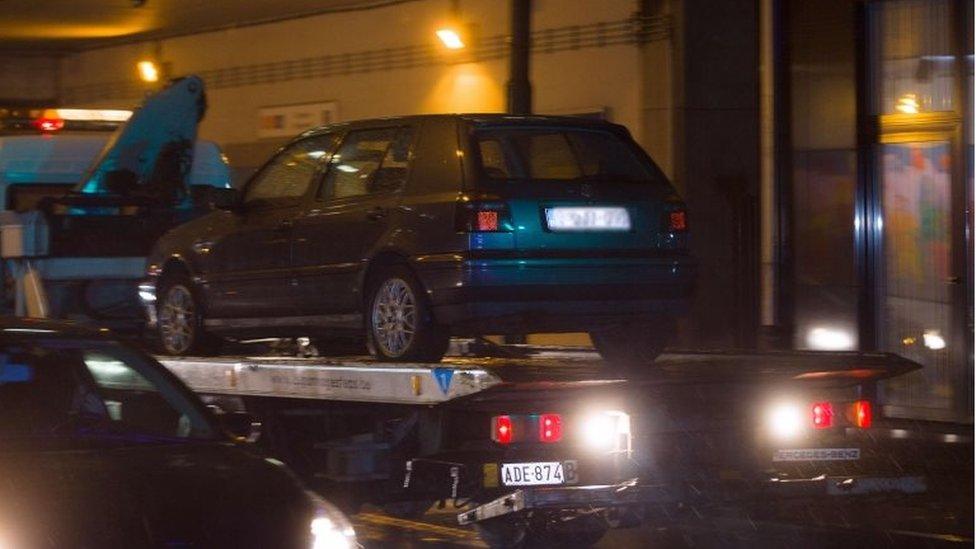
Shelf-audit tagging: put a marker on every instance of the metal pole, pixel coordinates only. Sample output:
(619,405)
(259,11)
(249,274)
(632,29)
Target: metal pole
(519,88)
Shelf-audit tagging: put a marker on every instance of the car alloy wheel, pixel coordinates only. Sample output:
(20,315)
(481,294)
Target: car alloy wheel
(394,317)
(177,318)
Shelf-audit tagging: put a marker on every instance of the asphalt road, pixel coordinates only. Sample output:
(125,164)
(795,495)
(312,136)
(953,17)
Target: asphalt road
(927,523)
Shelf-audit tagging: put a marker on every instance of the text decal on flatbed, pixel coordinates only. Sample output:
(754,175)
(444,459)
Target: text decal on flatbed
(817,454)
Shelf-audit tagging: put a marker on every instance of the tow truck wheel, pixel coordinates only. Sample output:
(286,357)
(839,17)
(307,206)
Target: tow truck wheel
(399,321)
(180,319)
(634,346)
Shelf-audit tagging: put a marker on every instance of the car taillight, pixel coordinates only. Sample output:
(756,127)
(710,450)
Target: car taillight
(501,429)
(859,413)
(823,415)
(550,428)
(676,221)
(483,216)
(487,221)
(49,124)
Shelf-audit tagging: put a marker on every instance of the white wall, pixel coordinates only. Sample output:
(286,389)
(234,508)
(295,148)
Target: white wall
(564,81)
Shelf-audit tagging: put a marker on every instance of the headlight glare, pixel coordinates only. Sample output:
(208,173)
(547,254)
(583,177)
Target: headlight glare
(330,528)
(607,430)
(785,421)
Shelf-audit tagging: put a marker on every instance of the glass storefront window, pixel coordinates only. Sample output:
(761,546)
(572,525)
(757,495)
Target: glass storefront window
(914,56)
(920,173)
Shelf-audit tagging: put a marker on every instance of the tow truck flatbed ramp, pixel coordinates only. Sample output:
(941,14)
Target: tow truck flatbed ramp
(360,379)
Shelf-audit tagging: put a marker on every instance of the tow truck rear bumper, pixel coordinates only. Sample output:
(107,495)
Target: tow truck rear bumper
(633,494)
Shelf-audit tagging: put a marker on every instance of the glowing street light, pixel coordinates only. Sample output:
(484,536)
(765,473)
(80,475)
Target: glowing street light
(148,71)
(451,38)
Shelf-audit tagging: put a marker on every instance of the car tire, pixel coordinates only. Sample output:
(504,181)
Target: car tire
(179,313)
(400,324)
(632,346)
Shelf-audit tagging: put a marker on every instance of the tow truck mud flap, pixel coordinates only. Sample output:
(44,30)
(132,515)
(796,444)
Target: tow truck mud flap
(846,486)
(605,496)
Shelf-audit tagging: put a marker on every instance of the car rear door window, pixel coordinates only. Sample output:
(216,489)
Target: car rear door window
(493,160)
(368,162)
(292,171)
(558,154)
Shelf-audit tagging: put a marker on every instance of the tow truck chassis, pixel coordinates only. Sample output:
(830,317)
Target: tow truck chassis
(420,396)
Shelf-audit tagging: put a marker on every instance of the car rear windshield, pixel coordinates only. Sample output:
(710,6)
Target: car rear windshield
(558,154)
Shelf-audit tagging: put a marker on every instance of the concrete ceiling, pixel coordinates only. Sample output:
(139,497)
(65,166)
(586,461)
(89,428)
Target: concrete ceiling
(72,25)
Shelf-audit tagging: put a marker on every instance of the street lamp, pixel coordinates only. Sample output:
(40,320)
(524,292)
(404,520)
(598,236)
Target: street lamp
(450,38)
(148,70)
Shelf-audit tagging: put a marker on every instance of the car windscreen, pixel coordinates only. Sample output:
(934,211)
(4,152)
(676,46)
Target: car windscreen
(76,391)
(561,154)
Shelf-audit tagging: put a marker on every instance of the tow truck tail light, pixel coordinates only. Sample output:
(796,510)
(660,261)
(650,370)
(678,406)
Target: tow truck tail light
(483,216)
(501,429)
(859,413)
(550,428)
(46,124)
(823,415)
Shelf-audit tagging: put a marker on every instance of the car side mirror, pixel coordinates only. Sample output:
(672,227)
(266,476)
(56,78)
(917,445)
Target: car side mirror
(214,198)
(242,426)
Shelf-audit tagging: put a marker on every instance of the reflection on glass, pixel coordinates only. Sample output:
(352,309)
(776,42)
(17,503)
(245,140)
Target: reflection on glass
(916,306)
(913,56)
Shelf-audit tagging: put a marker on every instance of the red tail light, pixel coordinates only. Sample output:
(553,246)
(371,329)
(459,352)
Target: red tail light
(48,124)
(487,221)
(860,414)
(501,429)
(483,216)
(678,221)
(550,428)
(823,415)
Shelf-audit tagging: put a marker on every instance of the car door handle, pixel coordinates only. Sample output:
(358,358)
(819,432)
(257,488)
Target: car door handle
(284,226)
(375,214)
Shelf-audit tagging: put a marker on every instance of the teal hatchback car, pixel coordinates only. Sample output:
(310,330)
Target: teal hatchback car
(415,229)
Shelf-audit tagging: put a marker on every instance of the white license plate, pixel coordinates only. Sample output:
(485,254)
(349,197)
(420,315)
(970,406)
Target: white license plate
(817,454)
(542,473)
(588,219)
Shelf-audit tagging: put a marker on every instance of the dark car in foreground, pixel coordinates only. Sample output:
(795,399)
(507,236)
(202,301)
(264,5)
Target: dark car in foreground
(100,446)
(419,228)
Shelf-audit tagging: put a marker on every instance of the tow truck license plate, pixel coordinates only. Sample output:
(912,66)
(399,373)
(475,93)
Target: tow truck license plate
(543,473)
(588,219)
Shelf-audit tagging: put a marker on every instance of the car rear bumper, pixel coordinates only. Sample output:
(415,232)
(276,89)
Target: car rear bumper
(532,295)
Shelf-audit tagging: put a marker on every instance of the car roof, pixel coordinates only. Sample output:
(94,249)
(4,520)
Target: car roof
(27,327)
(486,119)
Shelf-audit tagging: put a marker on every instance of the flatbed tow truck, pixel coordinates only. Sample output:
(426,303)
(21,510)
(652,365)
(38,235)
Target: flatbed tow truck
(551,446)
(554,447)
(547,446)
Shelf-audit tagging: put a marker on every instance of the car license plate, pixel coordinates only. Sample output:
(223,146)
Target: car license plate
(588,219)
(817,454)
(543,473)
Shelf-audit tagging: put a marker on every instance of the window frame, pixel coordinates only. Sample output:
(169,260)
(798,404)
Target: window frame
(316,178)
(323,192)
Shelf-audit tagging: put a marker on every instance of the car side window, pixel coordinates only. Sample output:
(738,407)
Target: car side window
(493,160)
(369,161)
(292,171)
(132,399)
